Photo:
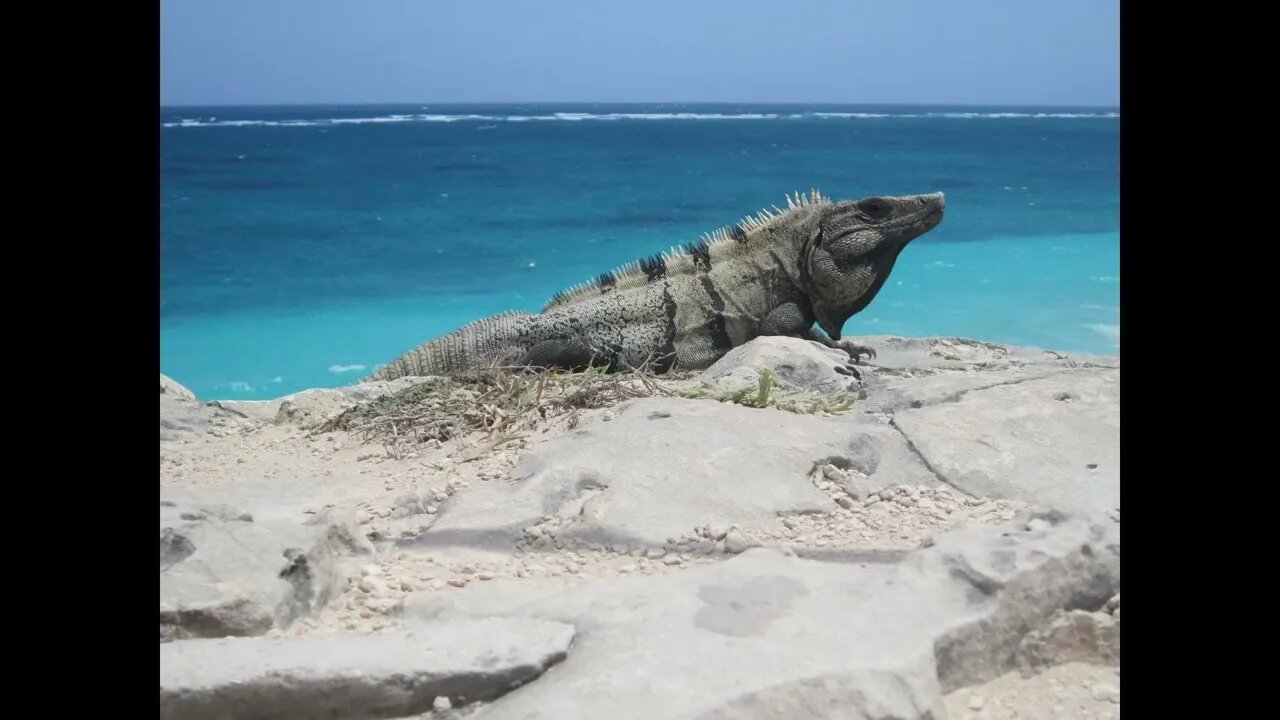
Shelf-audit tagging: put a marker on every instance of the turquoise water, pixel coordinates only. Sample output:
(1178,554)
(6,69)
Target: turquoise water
(302,247)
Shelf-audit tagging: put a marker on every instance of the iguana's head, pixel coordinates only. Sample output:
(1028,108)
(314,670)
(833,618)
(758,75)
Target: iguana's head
(853,247)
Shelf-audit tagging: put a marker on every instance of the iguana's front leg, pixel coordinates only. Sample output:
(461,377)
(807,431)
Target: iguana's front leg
(793,320)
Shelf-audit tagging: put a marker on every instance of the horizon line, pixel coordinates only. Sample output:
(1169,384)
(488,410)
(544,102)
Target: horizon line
(628,102)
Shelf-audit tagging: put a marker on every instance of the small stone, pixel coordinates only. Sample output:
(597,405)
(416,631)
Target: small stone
(845,502)
(458,582)
(671,560)
(735,542)
(871,500)
(366,614)
(717,532)
(1108,693)
(704,546)
(832,473)
(655,553)
(441,703)
(976,702)
(788,523)
(533,531)
(372,585)
(485,576)
(405,586)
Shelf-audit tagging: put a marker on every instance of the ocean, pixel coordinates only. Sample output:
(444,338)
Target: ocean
(304,246)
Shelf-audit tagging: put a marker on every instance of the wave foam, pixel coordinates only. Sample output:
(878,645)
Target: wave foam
(581,117)
(338,369)
(1110,332)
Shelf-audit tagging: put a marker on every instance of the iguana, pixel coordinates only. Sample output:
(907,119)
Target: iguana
(773,273)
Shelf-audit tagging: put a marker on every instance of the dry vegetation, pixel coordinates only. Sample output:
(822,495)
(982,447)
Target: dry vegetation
(495,401)
(501,401)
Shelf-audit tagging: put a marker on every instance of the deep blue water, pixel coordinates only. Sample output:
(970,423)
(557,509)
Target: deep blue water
(301,247)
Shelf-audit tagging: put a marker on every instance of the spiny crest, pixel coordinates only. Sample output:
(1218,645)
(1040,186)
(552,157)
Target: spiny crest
(695,255)
(411,362)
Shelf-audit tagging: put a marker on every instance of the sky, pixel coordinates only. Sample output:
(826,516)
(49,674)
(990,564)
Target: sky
(967,52)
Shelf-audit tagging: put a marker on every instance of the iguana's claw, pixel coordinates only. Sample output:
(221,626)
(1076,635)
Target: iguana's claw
(857,351)
(849,370)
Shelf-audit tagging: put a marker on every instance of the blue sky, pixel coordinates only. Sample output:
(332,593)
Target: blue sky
(1032,52)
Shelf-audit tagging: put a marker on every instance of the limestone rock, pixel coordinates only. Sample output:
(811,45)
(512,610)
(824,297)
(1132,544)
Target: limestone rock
(370,676)
(183,417)
(318,404)
(1071,636)
(223,574)
(664,466)
(796,364)
(1053,441)
(808,639)
(170,387)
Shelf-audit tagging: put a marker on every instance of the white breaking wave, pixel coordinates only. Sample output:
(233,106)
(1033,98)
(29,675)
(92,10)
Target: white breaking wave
(1111,332)
(337,369)
(581,117)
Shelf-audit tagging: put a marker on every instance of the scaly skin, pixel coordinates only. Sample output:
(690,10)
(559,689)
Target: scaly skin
(776,273)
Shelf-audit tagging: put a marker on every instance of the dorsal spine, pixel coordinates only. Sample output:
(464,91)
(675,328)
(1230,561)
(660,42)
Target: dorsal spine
(678,259)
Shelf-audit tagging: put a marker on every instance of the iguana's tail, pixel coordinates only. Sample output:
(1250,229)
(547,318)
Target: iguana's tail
(477,344)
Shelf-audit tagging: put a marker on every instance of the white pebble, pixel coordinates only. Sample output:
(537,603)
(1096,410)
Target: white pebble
(373,585)
(736,542)
(1109,693)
